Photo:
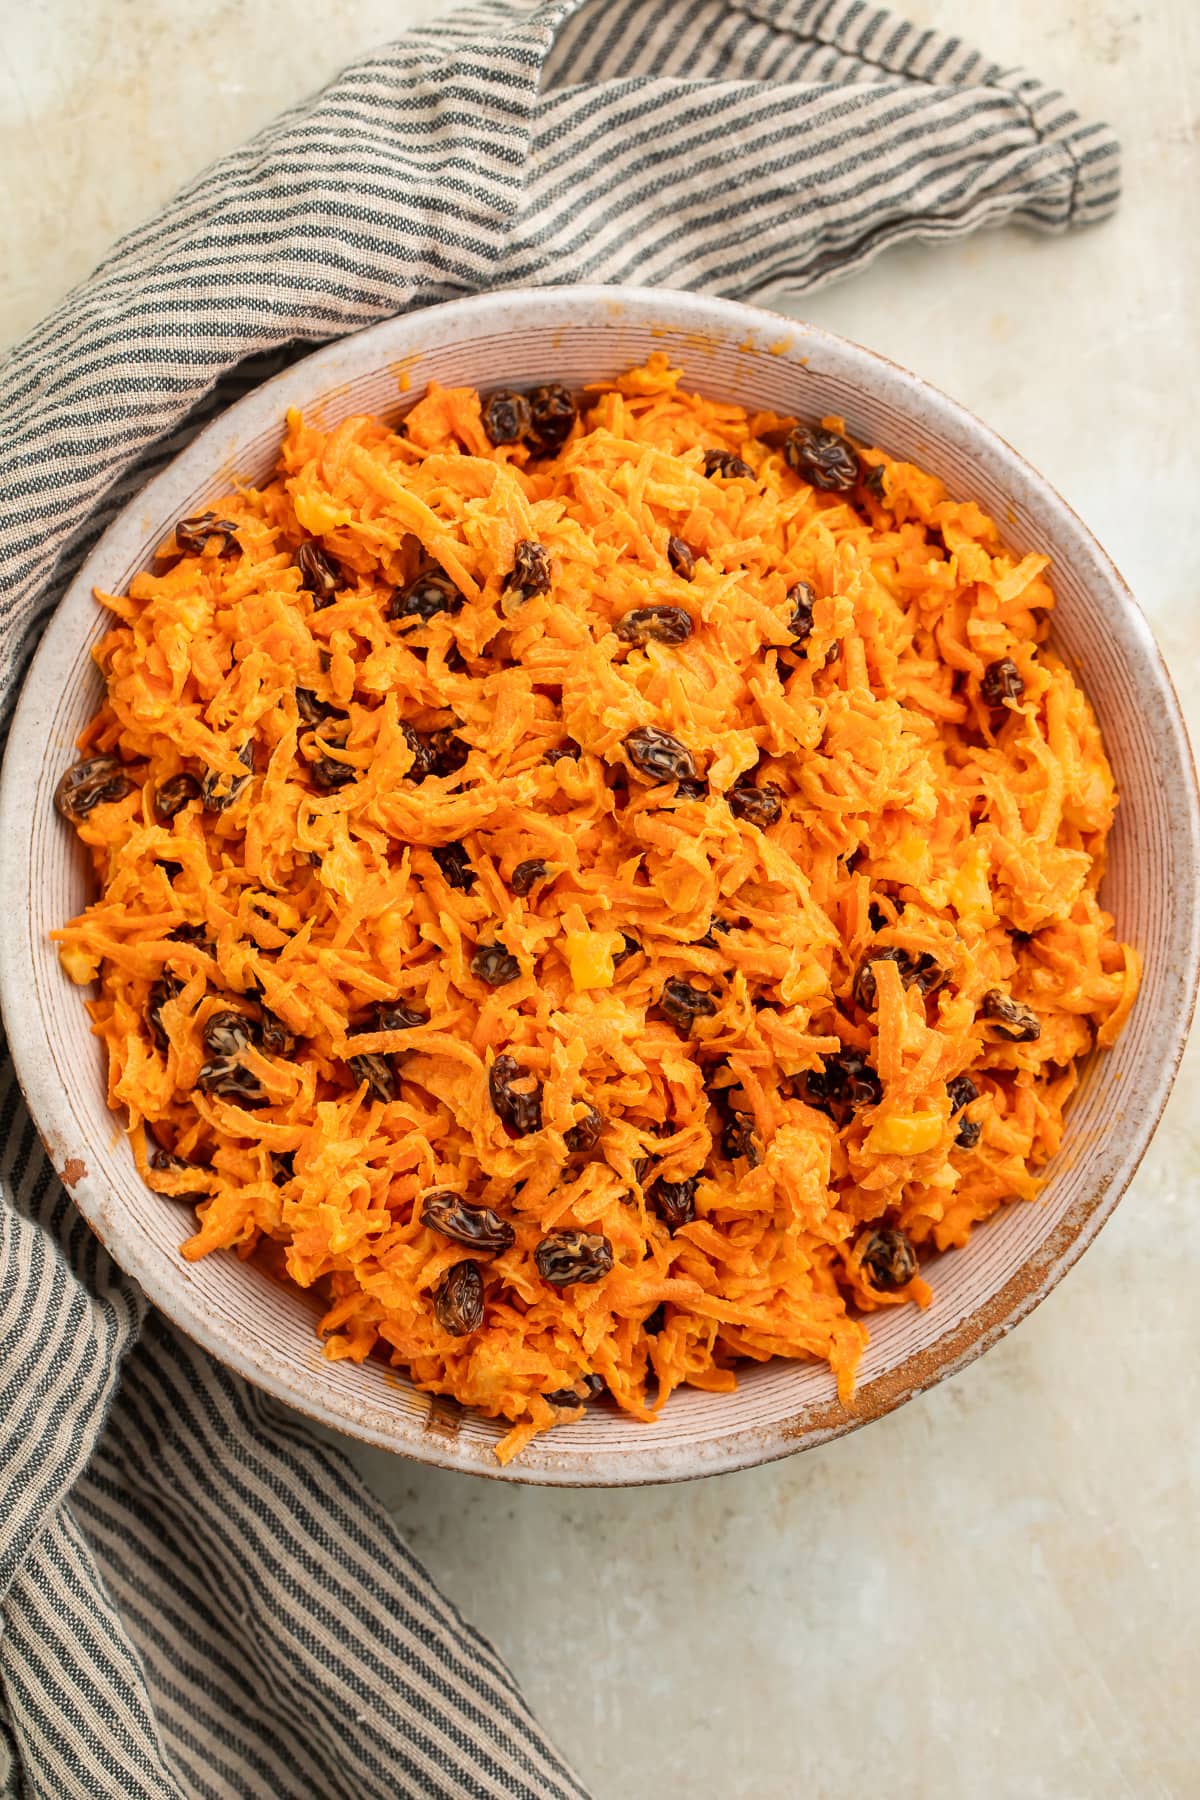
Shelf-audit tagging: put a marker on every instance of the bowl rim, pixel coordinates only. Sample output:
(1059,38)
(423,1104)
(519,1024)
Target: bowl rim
(1037,1275)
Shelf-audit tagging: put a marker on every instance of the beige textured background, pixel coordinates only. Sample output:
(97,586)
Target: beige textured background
(995,1592)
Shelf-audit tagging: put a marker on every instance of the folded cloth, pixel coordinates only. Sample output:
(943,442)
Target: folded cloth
(197,1596)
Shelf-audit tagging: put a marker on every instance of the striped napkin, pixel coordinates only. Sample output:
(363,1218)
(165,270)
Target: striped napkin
(198,1598)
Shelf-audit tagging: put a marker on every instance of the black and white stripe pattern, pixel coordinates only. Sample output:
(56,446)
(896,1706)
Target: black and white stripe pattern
(196,1597)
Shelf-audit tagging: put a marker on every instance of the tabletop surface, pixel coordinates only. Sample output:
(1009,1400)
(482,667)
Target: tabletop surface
(994,1591)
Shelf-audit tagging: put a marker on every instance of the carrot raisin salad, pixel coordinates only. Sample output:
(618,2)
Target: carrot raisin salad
(596,887)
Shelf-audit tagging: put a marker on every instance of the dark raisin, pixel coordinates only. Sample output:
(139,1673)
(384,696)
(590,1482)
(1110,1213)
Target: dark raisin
(447,751)
(192,934)
(424,757)
(847,1079)
(477,1226)
(726,464)
(495,965)
(761,806)
(801,598)
(571,1396)
(393,1015)
(507,416)
(833,654)
(962,1091)
(427,594)
(530,573)
(681,557)
(192,534)
(629,947)
(163,1162)
(568,750)
(458,1299)
(312,711)
(552,413)
(91,783)
(968,1134)
(660,624)
(921,971)
(274,1035)
(823,458)
(283,1166)
(682,1003)
(522,1113)
(227,1034)
(168,988)
(319,574)
(708,941)
(330,775)
(1001,681)
(451,859)
(1012,1020)
(231,1081)
(376,1071)
(738,1139)
(887,1258)
(585,1133)
(171,798)
(527,874)
(564,1257)
(873,480)
(674,1202)
(654,1321)
(220,791)
(659,755)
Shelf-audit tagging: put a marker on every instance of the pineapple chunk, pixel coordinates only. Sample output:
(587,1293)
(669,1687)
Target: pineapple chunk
(970,895)
(79,963)
(905,1134)
(590,956)
(320,516)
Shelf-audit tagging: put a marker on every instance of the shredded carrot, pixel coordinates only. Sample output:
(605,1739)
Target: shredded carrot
(736,1027)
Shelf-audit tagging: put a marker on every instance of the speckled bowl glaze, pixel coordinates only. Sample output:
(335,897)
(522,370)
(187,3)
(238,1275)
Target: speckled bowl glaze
(731,352)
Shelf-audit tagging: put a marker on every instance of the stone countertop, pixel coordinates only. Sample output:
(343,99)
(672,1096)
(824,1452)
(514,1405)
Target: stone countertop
(996,1590)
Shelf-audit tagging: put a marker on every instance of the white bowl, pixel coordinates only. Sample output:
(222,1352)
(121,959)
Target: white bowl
(731,352)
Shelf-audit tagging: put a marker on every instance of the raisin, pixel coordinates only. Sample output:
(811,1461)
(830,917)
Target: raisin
(629,947)
(527,874)
(495,965)
(283,1166)
(761,806)
(591,1384)
(585,1133)
(192,934)
(274,1035)
(833,654)
(552,414)
(564,1257)
(674,1202)
(738,1139)
(229,1080)
(171,798)
(193,534)
(1001,681)
(319,574)
(682,1003)
(376,1071)
(312,711)
(93,782)
(330,775)
(726,464)
(427,594)
(1012,1020)
(451,859)
(660,624)
(507,416)
(659,755)
(458,1299)
(801,598)
(220,791)
(393,1015)
(887,1258)
(227,1034)
(424,757)
(654,1321)
(873,481)
(447,752)
(968,1134)
(168,988)
(522,1113)
(681,557)
(530,573)
(691,788)
(847,1079)
(823,458)
(568,750)
(477,1226)
(962,1091)
(921,971)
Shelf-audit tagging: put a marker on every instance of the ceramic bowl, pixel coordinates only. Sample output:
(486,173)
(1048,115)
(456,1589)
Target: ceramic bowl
(730,352)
